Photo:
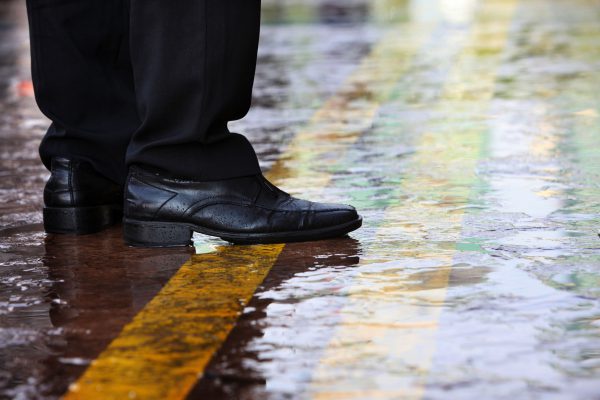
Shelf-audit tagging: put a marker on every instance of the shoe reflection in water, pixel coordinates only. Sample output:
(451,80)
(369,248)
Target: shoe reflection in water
(99,286)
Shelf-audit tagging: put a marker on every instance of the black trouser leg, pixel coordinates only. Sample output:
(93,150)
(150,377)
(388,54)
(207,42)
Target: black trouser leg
(193,63)
(83,80)
(190,72)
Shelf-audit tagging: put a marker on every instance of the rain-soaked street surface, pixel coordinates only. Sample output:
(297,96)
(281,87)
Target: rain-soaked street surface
(467,132)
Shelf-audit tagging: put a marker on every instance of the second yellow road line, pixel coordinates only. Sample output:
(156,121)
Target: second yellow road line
(162,353)
(337,125)
(389,323)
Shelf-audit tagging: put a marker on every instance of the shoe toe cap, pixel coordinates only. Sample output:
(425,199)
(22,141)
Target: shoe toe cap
(325,215)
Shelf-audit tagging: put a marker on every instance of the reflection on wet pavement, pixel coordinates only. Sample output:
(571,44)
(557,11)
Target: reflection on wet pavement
(467,132)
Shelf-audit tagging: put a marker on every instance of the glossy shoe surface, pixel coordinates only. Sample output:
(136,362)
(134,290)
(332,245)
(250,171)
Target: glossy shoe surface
(165,211)
(78,200)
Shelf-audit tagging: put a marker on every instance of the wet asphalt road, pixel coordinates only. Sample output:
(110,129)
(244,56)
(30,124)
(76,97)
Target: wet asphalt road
(467,132)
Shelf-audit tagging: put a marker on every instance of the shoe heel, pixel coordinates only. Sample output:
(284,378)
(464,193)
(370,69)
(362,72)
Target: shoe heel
(80,220)
(156,234)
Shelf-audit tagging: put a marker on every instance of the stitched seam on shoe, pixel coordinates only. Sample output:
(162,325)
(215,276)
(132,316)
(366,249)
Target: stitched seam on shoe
(246,204)
(209,201)
(154,216)
(151,185)
(173,194)
(260,190)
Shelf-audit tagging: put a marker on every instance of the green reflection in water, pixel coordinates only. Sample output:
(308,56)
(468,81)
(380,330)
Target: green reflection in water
(582,282)
(380,12)
(576,104)
(471,244)
(290,12)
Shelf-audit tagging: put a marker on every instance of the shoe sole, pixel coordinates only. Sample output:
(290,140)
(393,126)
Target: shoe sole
(174,234)
(80,220)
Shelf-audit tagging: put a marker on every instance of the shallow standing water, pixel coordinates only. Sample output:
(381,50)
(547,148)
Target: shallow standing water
(466,132)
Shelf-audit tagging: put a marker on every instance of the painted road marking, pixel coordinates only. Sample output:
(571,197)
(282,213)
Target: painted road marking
(531,179)
(577,105)
(349,113)
(161,354)
(306,342)
(402,324)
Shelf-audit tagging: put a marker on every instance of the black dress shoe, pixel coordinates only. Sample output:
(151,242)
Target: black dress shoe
(165,211)
(78,200)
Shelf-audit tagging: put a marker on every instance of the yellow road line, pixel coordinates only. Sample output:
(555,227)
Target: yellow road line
(160,354)
(163,351)
(384,323)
